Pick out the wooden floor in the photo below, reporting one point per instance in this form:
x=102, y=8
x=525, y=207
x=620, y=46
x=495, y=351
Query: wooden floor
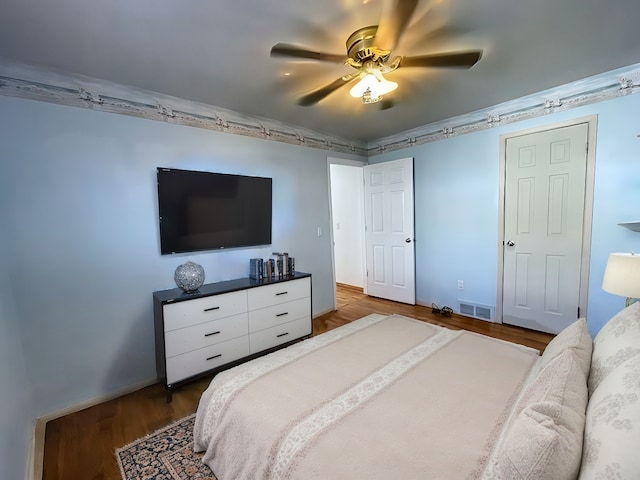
x=81, y=445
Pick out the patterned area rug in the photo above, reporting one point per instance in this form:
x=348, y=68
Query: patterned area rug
x=166, y=454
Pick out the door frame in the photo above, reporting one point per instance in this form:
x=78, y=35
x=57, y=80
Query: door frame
x=592, y=124
x=350, y=163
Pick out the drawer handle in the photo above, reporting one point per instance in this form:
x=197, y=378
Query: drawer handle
x=212, y=308
x=282, y=314
x=212, y=333
x=281, y=293
x=282, y=335
x=215, y=356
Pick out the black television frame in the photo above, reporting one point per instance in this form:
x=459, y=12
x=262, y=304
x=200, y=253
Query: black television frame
x=200, y=211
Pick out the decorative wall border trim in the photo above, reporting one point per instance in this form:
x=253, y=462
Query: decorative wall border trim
x=613, y=84
x=106, y=97
x=23, y=81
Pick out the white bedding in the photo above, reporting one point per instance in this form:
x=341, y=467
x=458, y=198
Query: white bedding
x=382, y=397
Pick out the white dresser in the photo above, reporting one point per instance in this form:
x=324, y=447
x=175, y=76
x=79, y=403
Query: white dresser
x=226, y=323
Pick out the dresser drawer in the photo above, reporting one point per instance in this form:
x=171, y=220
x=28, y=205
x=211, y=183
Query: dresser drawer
x=268, y=295
x=278, y=314
x=203, y=359
x=201, y=310
x=186, y=339
x=274, y=336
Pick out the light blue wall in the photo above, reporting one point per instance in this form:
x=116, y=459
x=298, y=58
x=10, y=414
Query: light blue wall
x=81, y=257
x=456, y=196
x=78, y=203
x=16, y=408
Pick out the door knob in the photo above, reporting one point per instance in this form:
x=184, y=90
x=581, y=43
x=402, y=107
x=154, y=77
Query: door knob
x=408, y=240
x=510, y=244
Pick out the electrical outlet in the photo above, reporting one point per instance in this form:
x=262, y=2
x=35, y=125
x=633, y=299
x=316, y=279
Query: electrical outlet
x=460, y=284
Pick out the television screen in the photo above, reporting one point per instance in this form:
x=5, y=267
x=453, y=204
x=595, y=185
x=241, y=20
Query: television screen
x=207, y=211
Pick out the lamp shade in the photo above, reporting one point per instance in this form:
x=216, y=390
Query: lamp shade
x=622, y=275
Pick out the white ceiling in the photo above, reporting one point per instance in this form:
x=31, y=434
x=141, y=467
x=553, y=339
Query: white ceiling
x=217, y=52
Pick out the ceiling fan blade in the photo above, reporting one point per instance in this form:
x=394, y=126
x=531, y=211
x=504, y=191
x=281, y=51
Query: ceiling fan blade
x=457, y=59
x=314, y=97
x=396, y=15
x=287, y=50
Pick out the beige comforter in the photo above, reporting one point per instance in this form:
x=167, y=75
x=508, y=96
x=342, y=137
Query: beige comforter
x=382, y=397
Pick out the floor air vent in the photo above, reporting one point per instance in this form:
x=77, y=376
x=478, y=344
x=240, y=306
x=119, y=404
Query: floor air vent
x=483, y=312
x=466, y=309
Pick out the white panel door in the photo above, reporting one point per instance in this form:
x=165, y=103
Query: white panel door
x=389, y=230
x=544, y=215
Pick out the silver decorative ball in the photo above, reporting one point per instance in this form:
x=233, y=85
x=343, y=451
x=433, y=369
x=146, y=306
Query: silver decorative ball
x=189, y=276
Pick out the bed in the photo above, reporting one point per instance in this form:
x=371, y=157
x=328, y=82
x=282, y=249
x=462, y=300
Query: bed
x=392, y=397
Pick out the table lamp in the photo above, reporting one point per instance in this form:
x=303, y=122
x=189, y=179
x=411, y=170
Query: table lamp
x=622, y=276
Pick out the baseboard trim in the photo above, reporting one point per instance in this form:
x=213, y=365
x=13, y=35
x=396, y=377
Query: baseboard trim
x=318, y=314
x=357, y=288
x=36, y=456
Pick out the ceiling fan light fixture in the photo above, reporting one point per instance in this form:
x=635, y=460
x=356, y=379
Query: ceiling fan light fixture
x=365, y=83
x=384, y=87
x=376, y=84
x=369, y=52
x=368, y=98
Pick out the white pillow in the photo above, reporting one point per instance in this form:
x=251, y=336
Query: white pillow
x=617, y=341
x=612, y=429
x=544, y=440
x=575, y=337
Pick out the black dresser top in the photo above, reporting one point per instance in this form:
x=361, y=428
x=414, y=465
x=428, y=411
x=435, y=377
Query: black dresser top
x=177, y=295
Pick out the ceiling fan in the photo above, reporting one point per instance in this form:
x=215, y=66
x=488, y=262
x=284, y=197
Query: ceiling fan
x=369, y=52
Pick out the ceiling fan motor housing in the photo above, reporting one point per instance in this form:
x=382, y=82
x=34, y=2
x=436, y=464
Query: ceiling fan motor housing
x=361, y=46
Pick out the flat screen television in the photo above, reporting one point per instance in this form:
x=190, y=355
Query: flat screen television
x=208, y=211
